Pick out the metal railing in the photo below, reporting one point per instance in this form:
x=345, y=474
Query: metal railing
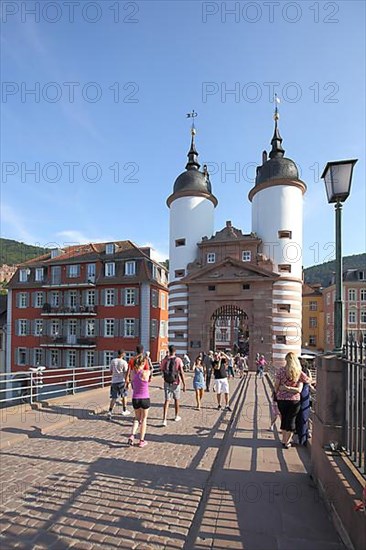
x=40, y=383
x=49, y=309
x=355, y=406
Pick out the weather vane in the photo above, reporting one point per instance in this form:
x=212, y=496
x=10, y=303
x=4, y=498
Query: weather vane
x=192, y=115
x=276, y=100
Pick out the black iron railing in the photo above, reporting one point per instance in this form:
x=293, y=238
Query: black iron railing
x=355, y=406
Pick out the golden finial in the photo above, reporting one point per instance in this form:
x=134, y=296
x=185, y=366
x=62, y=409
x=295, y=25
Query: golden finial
x=276, y=115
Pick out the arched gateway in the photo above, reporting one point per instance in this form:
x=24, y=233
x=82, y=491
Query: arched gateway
x=258, y=272
x=230, y=329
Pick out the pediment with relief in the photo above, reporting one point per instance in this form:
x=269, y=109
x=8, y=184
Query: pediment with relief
x=229, y=270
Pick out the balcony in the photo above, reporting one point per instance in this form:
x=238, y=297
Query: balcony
x=70, y=341
x=67, y=311
x=57, y=283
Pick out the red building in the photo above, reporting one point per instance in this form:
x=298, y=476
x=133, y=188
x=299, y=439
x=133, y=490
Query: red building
x=354, y=307
x=75, y=307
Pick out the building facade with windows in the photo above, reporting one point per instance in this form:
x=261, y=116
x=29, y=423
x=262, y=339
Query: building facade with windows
x=248, y=282
x=75, y=307
x=313, y=331
x=354, y=304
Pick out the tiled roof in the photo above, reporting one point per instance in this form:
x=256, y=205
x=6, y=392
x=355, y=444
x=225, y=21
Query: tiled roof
x=84, y=252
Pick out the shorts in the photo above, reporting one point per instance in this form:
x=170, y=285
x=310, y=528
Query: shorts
x=141, y=403
x=118, y=389
x=221, y=385
x=172, y=391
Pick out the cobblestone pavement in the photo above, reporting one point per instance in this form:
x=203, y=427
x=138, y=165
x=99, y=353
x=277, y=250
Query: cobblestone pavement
x=81, y=486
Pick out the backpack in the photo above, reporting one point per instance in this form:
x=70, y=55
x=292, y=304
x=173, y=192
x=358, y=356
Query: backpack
x=171, y=372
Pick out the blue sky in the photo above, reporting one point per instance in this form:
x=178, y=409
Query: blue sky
x=106, y=132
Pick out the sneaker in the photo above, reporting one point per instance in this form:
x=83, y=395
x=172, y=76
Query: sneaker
x=126, y=413
x=142, y=443
x=218, y=407
x=109, y=415
x=131, y=440
x=165, y=423
x=178, y=418
x=271, y=428
x=227, y=408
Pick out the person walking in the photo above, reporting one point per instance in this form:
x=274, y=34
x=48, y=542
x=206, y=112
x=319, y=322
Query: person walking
x=173, y=374
x=230, y=366
x=261, y=363
x=288, y=387
x=139, y=374
x=302, y=418
x=186, y=363
x=198, y=381
x=220, y=364
x=207, y=363
x=118, y=368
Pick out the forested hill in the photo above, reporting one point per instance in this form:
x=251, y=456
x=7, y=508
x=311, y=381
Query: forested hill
x=322, y=273
x=15, y=252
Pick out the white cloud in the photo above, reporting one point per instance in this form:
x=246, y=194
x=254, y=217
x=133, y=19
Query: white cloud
x=73, y=236
x=157, y=255
x=14, y=225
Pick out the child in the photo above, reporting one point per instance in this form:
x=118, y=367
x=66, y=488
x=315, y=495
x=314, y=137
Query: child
x=140, y=375
x=274, y=412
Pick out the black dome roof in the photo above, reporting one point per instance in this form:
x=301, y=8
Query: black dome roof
x=277, y=168
x=192, y=180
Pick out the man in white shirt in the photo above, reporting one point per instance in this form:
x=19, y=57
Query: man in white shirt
x=118, y=368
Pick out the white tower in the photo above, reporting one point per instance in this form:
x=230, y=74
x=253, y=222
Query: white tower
x=192, y=207
x=277, y=218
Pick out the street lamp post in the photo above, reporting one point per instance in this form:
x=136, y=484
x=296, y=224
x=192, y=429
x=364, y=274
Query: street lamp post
x=338, y=177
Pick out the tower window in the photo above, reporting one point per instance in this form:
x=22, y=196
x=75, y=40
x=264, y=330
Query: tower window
x=179, y=273
x=179, y=309
x=280, y=339
x=211, y=288
x=284, y=307
x=285, y=234
x=179, y=335
x=211, y=258
x=246, y=287
x=284, y=268
x=180, y=242
x=246, y=255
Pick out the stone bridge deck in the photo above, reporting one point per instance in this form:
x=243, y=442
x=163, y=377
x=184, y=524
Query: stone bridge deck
x=214, y=480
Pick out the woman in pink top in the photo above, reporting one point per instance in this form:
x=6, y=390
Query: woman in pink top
x=139, y=374
x=288, y=386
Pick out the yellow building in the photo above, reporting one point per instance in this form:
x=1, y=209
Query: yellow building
x=312, y=317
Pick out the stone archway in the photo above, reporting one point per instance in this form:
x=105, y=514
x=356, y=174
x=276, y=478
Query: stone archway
x=229, y=329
